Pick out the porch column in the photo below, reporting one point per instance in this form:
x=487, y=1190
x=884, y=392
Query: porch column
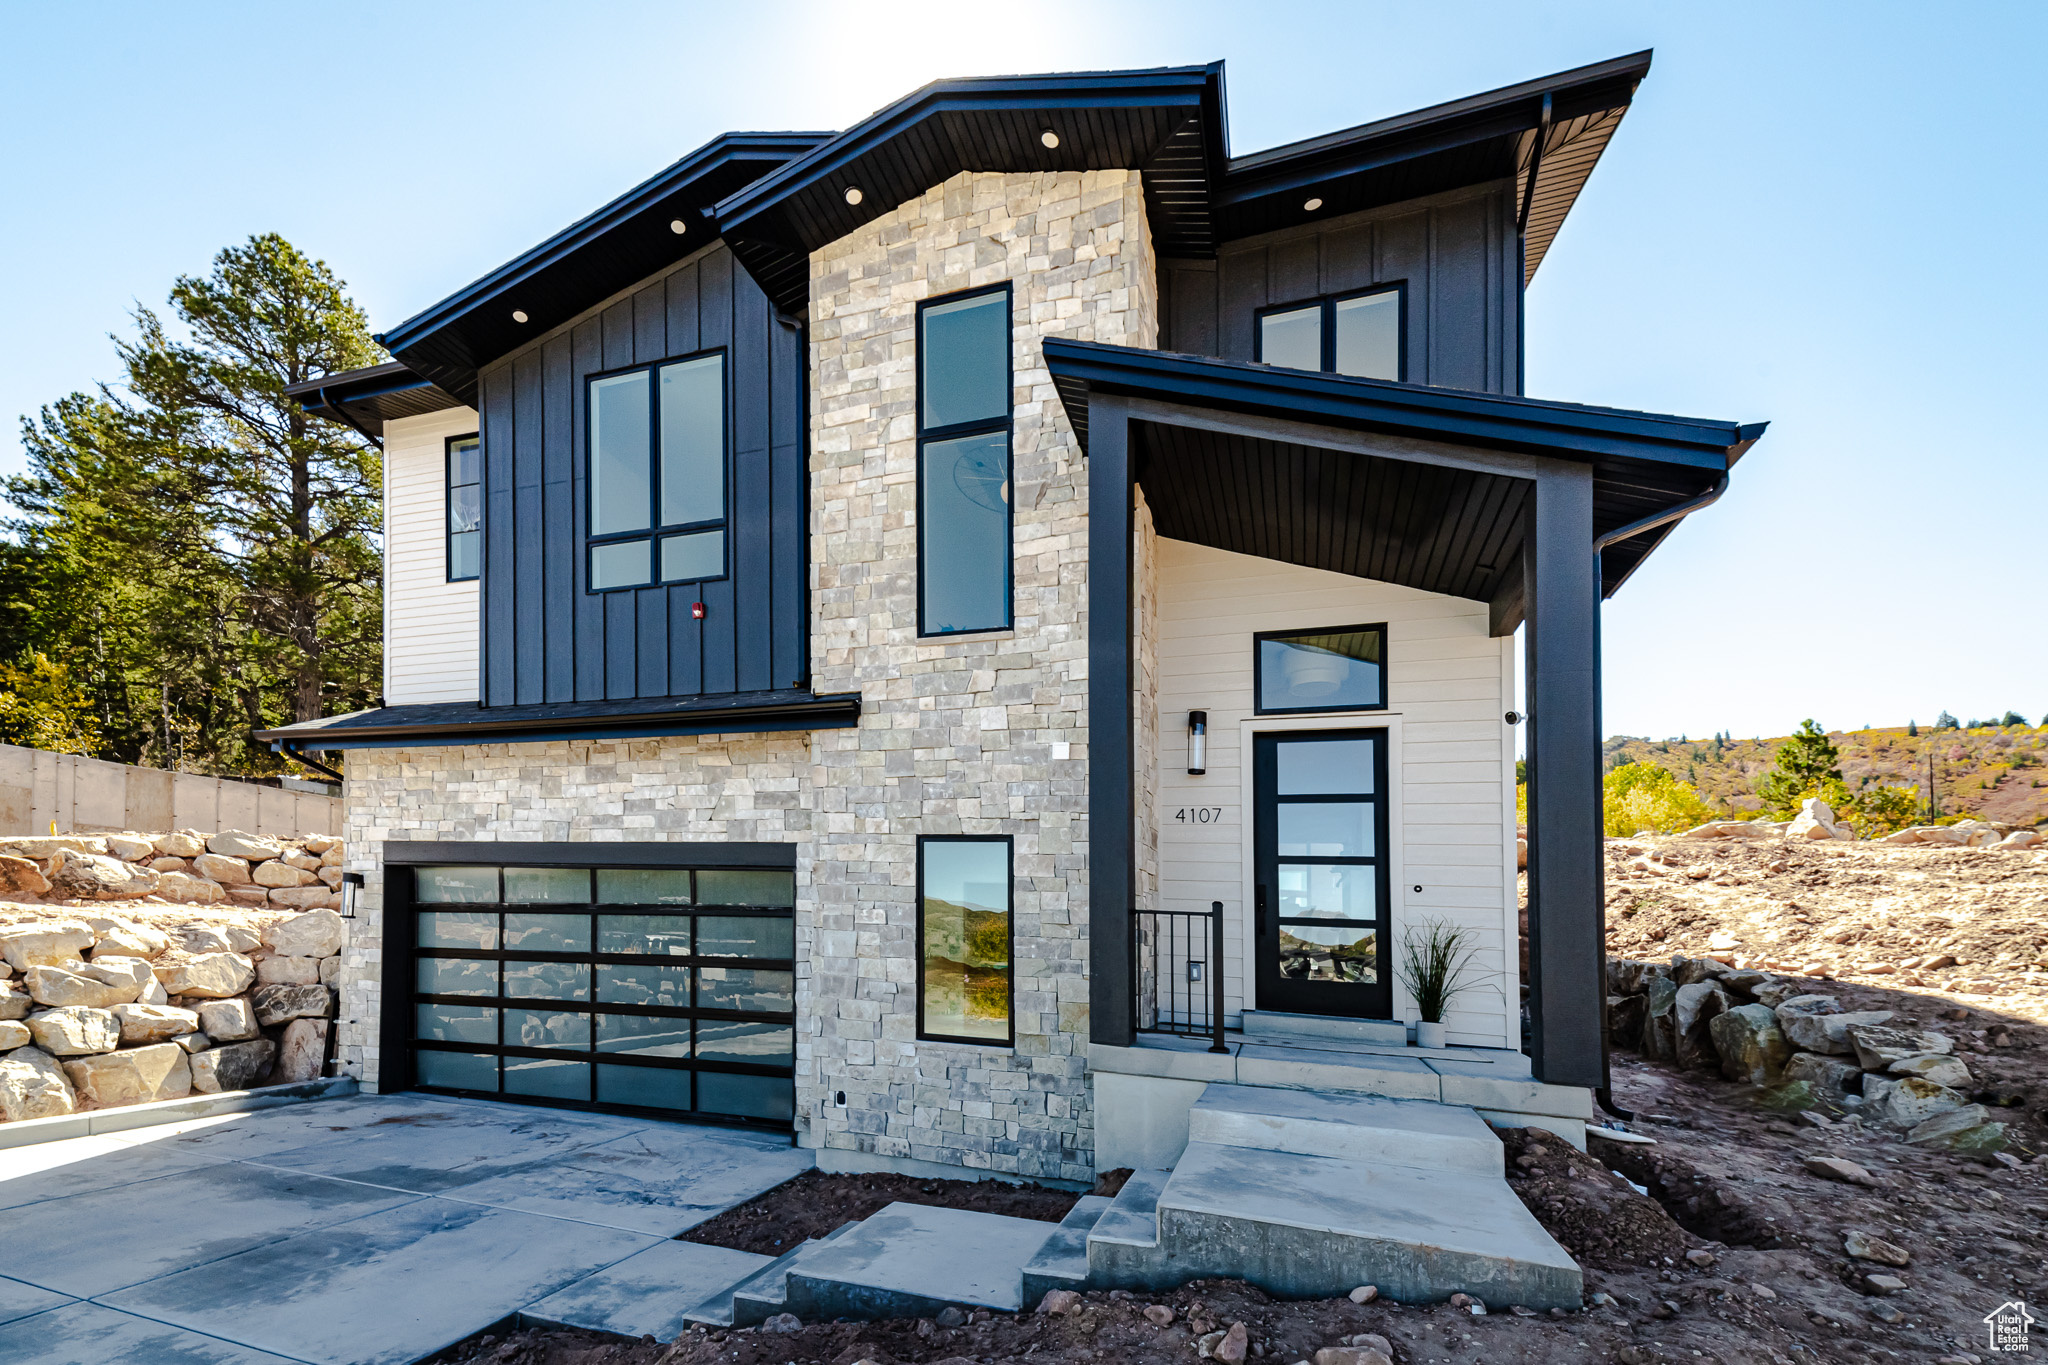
x=1567, y=986
x=1112, y=852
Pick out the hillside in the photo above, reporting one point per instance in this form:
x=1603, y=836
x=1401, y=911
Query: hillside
x=1990, y=772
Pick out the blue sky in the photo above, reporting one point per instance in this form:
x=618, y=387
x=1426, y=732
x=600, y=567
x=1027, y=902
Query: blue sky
x=1824, y=215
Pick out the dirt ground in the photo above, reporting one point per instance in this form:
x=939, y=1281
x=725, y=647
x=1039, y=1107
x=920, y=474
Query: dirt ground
x=1715, y=1244
x=815, y=1204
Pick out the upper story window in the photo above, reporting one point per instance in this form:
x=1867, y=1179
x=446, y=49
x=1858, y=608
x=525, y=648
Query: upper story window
x=1342, y=668
x=1357, y=334
x=465, y=480
x=963, y=463
x=658, y=474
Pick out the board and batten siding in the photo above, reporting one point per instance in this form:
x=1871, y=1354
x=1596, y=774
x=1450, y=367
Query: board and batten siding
x=547, y=640
x=430, y=624
x=1450, y=760
x=1458, y=254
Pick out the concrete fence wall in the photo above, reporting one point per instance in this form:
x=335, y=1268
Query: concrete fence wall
x=92, y=796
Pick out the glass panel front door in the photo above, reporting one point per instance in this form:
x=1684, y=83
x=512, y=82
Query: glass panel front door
x=1319, y=838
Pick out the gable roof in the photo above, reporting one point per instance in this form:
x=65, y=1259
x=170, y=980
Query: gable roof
x=776, y=197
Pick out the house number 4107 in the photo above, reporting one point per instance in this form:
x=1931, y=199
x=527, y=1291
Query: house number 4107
x=1199, y=815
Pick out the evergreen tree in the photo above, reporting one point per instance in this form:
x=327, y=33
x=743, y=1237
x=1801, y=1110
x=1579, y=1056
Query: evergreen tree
x=1913, y=729
x=1808, y=764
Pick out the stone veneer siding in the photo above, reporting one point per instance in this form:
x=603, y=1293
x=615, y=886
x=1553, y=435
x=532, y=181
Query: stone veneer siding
x=981, y=734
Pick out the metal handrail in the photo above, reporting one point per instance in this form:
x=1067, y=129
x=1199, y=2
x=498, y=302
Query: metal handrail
x=1169, y=973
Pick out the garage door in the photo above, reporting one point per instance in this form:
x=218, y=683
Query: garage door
x=661, y=990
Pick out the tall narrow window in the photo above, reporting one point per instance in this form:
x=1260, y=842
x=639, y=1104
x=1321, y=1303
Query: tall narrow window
x=963, y=939
x=465, y=478
x=657, y=474
x=963, y=455
x=1358, y=334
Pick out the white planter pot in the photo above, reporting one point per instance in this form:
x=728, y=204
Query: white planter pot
x=1428, y=1034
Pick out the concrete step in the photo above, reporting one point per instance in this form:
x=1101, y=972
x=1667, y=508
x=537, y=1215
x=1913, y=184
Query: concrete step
x=761, y=1294
x=1304, y=1226
x=1062, y=1263
x=1123, y=1246
x=914, y=1260
x=1274, y=1026
x=1357, y=1073
x=1416, y=1133
x=650, y=1293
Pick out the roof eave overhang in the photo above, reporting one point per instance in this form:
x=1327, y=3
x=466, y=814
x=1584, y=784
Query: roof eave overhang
x=367, y=398
x=525, y=725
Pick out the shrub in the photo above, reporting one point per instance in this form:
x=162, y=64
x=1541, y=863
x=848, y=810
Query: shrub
x=1639, y=796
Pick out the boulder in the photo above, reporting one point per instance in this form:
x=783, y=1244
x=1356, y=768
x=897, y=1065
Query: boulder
x=1807, y=1004
x=333, y=856
x=1744, y=981
x=42, y=850
x=302, y=1052
x=193, y=1042
x=14, y=1001
x=1624, y=1018
x=330, y=971
x=320, y=843
x=132, y=1076
x=1842, y=1169
x=1692, y=1014
x=233, y=1066
x=243, y=939
x=186, y=888
x=330, y=877
x=182, y=844
x=1938, y=1067
x=287, y=971
x=1816, y=820
x=153, y=1023
x=201, y=938
x=1906, y=1103
x=1831, y=1075
x=301, y=897
x=44, y=945
x=21, y=877
x=1731, y=829
x=1660, y=1039
x=163, y=865
x=1776, y=992
x=316, y=933
x=227, y=1021
x=213, y=975
x=1750, y=1045
x=132, y=848
x=58, y=988
x=1864, y=1247
x=33, y=1086
x=1829, y=1033
x=74, y=1031
x=257, y=897
x=1687, y=971
x=94, y=876
x=221, y=868
x=1878, y=1047
x=278, y=872
x=305, y=862
x=281, y=1004
x=235, y=843
x=13, y=1034
x=131, y=940
x=2020, y=838
x=1966, y=1129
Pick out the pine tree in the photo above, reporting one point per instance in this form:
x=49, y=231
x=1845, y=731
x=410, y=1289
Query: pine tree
x=1913, y=729
x=1808, y=764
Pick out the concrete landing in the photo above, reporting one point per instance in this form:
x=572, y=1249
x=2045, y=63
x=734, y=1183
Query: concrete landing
x=1414, y=1133
x=912, y=1260
x=1314, y=1227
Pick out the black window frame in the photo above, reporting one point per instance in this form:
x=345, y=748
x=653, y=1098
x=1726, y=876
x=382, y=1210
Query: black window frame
x=655, y=532
x=1259, y=638
x=448, y=486
x=1328, y=303
x=1009, y=843
x=1006, y=424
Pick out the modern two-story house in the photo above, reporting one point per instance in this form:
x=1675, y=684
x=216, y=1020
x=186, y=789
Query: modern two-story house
x=949, y=637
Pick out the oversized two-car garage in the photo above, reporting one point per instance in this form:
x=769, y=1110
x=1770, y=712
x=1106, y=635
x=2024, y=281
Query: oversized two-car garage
x=657, y=979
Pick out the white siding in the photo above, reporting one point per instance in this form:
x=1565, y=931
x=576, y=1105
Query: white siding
x=430, y=624
x=1450, y=756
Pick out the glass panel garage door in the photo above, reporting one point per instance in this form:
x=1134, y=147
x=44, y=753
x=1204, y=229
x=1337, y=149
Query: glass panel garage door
x=667, y=990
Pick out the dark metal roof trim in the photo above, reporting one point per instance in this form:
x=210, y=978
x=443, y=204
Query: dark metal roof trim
x=438, y=723
x=1530, y=425
x=368, y=398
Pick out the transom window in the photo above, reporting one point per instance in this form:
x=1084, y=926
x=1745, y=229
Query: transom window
x=658, y=474
x=1342, y=668
x=963, y=463
x=1359, y=334
x=465, y=480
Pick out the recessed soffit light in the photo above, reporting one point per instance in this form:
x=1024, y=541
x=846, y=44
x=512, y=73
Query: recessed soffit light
x=518, y=315
x=678, y=226
x=1049, y=138
x=1312, y=205
x=853, y=194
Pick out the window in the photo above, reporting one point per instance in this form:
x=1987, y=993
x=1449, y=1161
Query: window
x=963, y=939
x=1340, y=669
x=657, y=474
x=1346, y=334
x=963, y=463
x=465, y=479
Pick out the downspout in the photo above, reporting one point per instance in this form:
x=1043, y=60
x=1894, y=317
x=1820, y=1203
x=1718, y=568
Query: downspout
x=339, y=411
x=1676, y=512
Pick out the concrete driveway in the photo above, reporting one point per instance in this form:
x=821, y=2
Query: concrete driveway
x=351, y=1231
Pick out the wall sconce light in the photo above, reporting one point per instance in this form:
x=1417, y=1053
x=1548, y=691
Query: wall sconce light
x=1198, y=743
x=351, y=893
